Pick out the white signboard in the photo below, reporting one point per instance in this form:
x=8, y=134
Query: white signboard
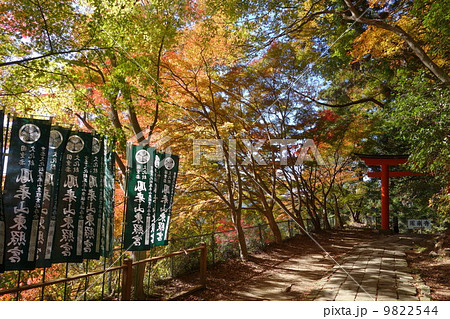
x=419, y=224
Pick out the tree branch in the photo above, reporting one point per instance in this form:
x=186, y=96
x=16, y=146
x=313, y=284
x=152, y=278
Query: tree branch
x=413, y=45
x=119, y=161
x=46, y=28
x=50, y=54
x=158, y=75
x=354, y=15
x=85, y=122
x=363, y=100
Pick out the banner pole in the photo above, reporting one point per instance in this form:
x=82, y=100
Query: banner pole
x=43, y=287
x=86, y=280
x=65, y=283
x=18, y=285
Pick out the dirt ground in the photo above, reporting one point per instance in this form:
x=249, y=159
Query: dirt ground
x=430, y=260
x=228, y=280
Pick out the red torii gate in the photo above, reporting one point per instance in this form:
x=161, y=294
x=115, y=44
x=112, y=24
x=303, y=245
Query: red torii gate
x=384, y=161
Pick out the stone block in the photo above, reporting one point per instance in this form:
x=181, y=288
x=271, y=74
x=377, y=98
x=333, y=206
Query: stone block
x=345, y=297
x=403, y=297
x=407, y=290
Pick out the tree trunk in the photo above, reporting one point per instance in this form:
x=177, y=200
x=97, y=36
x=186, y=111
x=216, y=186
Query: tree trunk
x=315, y=220
x=273, y=226
x=337, y=214
x=138, y=275
x=326, y=223
x=243, y=251
x=297, y=217
x=267, y=210
x=312, y=212
x=355, y=214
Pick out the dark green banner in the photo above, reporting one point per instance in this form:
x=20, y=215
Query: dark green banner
x=23, y=192
x=166, y=176
x=151, y=187
x=2, y=216
x=140, y=160
x=57, y=145
x=72, y=203
x=108, y=201
x=94, y=202
x=155, y=187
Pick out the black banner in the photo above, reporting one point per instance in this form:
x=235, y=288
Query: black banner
x=154, y=201
x=57, y=145
x=2, y=216
x=139, y=197
x=150, y=190
x=94, y=202
x=24, y=188
x=71, y=208
x=167, y=171
x=108, y=201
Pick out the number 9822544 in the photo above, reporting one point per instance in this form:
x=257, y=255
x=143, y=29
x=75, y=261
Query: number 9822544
x=410, y=310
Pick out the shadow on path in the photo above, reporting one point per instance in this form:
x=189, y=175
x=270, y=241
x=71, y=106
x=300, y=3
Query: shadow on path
x=374, y=268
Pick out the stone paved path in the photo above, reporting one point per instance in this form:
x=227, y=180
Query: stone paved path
x=377, y=270
x=373, y=271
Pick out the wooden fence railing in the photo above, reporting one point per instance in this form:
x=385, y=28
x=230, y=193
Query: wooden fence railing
x=126, y=268
x=221, y=246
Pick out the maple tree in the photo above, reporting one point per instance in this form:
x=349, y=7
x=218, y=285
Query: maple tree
x=192, y=72
x=373, y=57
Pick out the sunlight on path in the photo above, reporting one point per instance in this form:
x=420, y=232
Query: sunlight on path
x=373, y=271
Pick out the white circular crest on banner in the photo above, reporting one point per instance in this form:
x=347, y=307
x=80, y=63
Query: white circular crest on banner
x=142, y=156
x=55, y=140
x=95, y=146
x=169, y=163
x=75, y=144
x=157, y=160
x=29, y=133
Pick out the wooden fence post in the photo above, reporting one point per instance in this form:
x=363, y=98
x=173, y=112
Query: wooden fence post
x=127, y=279
x=203, y=265
x=138, y=274
x=213, y=248
x=289, y=228
x=261, y=239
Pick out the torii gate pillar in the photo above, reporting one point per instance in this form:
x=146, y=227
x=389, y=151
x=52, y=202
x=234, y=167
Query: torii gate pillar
x=384, y=196
x=385, y=161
